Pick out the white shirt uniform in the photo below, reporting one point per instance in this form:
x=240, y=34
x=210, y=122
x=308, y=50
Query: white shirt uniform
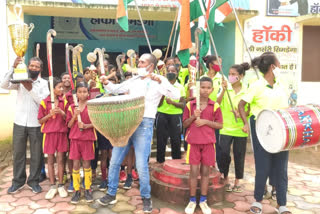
x=27, y=101
x=152, y=90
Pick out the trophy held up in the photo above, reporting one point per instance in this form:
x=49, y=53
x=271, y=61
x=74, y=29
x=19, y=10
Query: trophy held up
x=19, y=33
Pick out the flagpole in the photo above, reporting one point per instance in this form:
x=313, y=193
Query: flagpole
x=244, y=40
x=142, y=24
x=175, y=32
x=174, y=23
x=216, y=53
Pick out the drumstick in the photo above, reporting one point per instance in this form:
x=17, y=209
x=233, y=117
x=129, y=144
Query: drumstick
x=51, y=33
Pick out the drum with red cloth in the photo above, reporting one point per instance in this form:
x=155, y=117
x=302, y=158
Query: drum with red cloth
x=291, y=128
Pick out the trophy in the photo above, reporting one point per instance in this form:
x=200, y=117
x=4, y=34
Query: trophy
x=19, y=33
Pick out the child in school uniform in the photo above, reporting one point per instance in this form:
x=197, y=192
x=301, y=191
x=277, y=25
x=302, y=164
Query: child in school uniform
x=54, y=129
x=81, y=143
x=200, y=135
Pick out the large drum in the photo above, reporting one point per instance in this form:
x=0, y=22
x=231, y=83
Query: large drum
x=116, y=117
x=290, y=128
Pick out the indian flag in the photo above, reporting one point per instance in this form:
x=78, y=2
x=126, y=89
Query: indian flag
x=122, y=14
x=189, y=11
x=222, y=12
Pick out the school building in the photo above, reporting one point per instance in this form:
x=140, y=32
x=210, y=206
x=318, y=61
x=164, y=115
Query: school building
x=283, y=30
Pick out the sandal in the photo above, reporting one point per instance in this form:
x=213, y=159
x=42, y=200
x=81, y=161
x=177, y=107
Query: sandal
x=237, y=189
x=228, y=188
x=256, y=208
x=274, y=195
x=283, y=210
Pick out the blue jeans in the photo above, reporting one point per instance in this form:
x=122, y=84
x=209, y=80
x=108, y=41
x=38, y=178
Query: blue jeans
x=266, y=163
x=141, y=141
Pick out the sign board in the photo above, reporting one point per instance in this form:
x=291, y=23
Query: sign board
x=281, y=38
x=292, y=7
x=101, y=29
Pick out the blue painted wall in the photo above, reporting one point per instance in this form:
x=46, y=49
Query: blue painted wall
x=224, y=37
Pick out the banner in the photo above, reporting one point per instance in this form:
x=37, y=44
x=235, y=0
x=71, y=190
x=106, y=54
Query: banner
x=101, y=29
x=240, y=4
x=279, y=37
x=142, y=3
x=292, y=7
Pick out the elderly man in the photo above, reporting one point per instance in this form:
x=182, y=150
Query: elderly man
x=26, y=125
x=153, y=87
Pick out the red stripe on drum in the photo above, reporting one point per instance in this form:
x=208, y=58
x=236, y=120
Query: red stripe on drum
x=308, y=126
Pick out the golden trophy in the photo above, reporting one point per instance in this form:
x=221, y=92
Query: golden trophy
x=19, y=33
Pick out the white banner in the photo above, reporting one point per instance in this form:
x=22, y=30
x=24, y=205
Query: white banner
x=281, y=37
x=101, y=29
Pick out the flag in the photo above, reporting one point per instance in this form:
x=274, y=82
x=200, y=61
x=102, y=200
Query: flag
x=222, y=12
x=188, y=12
x=122, y=14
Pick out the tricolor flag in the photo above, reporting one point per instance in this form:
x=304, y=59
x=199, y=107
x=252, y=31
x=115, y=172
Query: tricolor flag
x=210, y=10
x=222, y=12
x=189, y=11
x=122, y=14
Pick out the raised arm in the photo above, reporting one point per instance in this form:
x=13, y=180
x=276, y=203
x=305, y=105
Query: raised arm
x=5, y=82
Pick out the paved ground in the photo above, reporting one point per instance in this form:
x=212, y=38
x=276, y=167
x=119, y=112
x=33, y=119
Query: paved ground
x=303, y=197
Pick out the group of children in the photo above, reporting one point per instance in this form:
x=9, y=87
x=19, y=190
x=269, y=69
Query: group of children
x=211, y=128
x=63, y=124
x=67, y=129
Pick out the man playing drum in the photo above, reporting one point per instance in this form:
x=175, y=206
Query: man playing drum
x=152, y=87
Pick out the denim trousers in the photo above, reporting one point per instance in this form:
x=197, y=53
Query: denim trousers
x=265, y=163
x=141, y=141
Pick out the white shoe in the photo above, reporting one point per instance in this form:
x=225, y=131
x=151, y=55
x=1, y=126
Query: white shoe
x=51, y=193
x=62, y=192
x=191, y=207
x=205, y=208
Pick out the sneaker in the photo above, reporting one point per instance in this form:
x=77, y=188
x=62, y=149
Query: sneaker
x=128, y=183
x=147, y=205
x=107, y=199
x=13, y=189
x=70, y=188
x=135, y=175
x=75, y=197
x=104, y=185
x=42, y=177
x=205, y=208
x=88, y=195
x=35, y=188
x=190, y=207
x=122, y=176
x=62, y=191
x=51, y=193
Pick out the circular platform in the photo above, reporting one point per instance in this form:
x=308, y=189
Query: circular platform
x=170, y=182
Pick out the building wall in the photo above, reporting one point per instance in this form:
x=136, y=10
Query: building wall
x=7, y=99
x=43, y=24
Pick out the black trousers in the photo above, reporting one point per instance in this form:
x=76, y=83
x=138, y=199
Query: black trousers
x=168, y=125
x=239, y=153
x=21, y=134
x=218, y=149
x=267, y=164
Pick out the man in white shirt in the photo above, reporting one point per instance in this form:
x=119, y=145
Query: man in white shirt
x=152, y=87
x=26, y=125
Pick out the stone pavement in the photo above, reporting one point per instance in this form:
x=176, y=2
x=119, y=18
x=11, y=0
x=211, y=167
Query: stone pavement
x=303, y=197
